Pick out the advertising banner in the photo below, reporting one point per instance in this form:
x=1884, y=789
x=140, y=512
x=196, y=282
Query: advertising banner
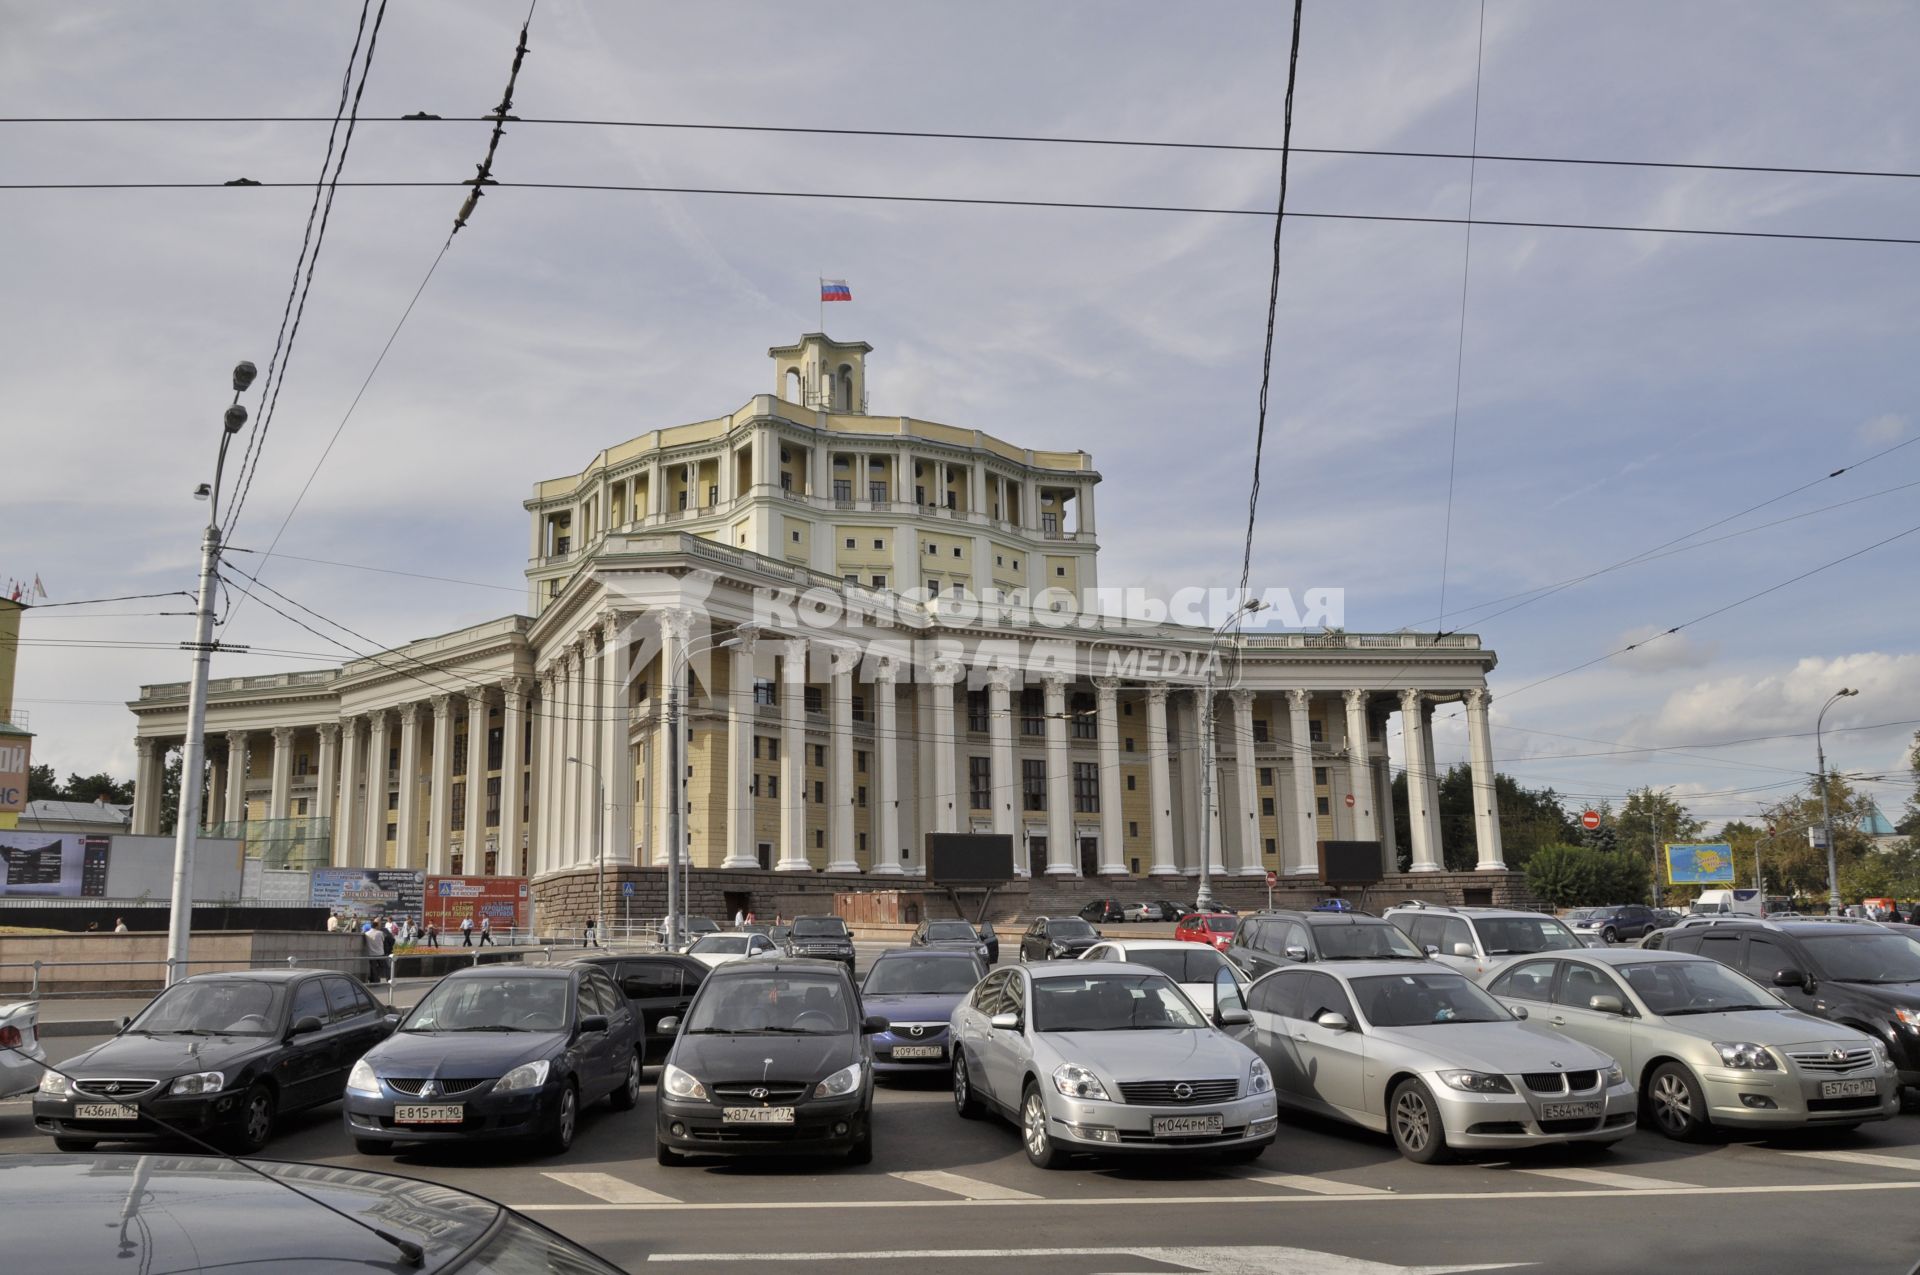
x=360, y=893
x=16, y=759
x=53, y=865
x=501, y=899
x=1699, y=863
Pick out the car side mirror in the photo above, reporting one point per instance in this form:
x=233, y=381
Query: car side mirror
x=1005, y=1022
x=1334, y=1022
x=1518, y=1011
x=1606, y=1003
x=303, y=1026
x=593, y=1023
x=1296, y=953
x=391, y=1020
x=668, y=1026
x=126, y=1022
x=1430, y=949
x=1463, y=949
x=1792, y=978
x=1231, y=1017
x=873, y=1023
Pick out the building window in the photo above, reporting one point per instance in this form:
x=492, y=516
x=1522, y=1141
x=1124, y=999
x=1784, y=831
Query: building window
x=764, y=692
x=494, y=741
x=879, y=582
x=1033, y=785
x=819, y=839
x=786, y=481
x=879, y=544
x=1130, y=785
x=860, y=715
x=1259, y=730
x=1270, y=846
x=459, y=821
x=773, y=785
x=977, y=711
x=1059, y=571
x=796, y=537
x=393, y=801
x=861, y=797
x=1320, y=776
x=956, y=551
x=933, y=588
x=1032, y=706
x=1016, y=564
x=811, y=699
x=819, y=792
x=851, y=542
x=1129, y=743
x=819, y=754
x=980, y=783
x=299, y=764
x=1266, y=806
x=1086, y=720
x=852, y=578
x=863, y=841
x=999, y=560
x=877, y=491
x=1266, y=776
x=1314, y=731
x=843, y=490
x=773, y=750
x=932, y=549
x=859, y=761
x=1086, y=788
x=300, y=805
x=1050, y=522
x=756, y=748
x=1133, y=830
x=1321, y=802
x=493, y=803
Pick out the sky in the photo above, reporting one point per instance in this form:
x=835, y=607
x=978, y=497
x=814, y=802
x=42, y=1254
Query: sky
x=1616, y=392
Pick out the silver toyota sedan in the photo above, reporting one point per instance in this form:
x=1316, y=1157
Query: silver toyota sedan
x=1421, y=1052
x=1106, y=1057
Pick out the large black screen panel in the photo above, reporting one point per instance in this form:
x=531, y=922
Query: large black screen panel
x=1350, y=862
x=969, y=856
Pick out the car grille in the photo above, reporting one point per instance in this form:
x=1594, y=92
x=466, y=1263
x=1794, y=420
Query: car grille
x=1560, y=1081
x=772, y=1092
x=119, y=1089
x=1833, y=1060
x=1161, y=1093
x=917, y=1031
x=446, y=1087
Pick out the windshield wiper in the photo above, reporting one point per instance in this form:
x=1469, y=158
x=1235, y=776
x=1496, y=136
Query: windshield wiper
x=484, y=1027
x=1716, y=1009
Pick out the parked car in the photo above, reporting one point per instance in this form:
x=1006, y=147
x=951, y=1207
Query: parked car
x=825, y=938
x=1169, y=910
x=221, y=1056
x=202, y=1213
x=657, y=985
x=1101, y=911
x=722, y=949
x=1192, y=966
x=1704, y=1044
x=1057, y=938
x=772, y=1057
x=949, y=936
x=498, y=1051
x=1422, y=1053
x=692, y=929
x=1215, y=929
x=1103, y=1057
x=1867, y=978
x=20, y=1051
x=1615, y=924
x=992, y=939
x=1659, y=939
x=915, y=990
x=1140, y=912
x=1475, y=940
x=1268, y=940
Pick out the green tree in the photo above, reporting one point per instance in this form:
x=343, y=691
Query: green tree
x=1648, y=821
x=1581, y=876
x=1791, y=862
x=98, y=787
x=1529, y=819
x=1603, y=837
x=1883, y=874
x=42, y=783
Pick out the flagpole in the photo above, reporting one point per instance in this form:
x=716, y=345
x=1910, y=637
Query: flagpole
x=823, y=305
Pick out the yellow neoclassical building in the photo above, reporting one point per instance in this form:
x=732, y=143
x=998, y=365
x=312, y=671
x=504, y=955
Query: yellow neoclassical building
x=884, y=627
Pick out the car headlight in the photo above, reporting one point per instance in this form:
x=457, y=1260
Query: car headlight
x=681, y=1084
x=1259, y=1080
x=1881, y=1053
x=200, y=1082
x=55, y=1085
x=1054, y=949
x=1076, y=1081
x=840, y=1082
x=361, y=1080
x=1745, y=1055
x=1911, y=1017
x=1616, y=1075
x=1476, y=1082
x=526, y=1076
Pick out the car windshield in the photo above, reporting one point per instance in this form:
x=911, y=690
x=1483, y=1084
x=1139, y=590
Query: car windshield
x=1068, y=929
x=1111, y=1002
x=800, y=1004
x=720, y=945
x=1509, y=935
x=1221, y=924
x=1190, y=963
x=1582, y=914
x=222, y=1007
x=1865, y=957
x=944, y=930
x=492, y=1004
x=920, y=975
x=1421, y=1000
x=819, y=927
x=1700, y=986
x=1379, y=941
x=700, y=925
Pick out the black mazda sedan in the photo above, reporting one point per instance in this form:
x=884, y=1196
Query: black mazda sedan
x=499, y=1051
x=772, y=1058
x=218, y=1056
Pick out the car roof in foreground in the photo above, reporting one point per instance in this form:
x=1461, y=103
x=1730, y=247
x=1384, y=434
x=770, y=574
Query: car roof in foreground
x=764, y=965
x=514, y=971
x=1367, y=969
x=1622, y=955
x=927, y=954
x=258, y=976
x=212, y=1214
x=1156, y=945
x=1080, y=969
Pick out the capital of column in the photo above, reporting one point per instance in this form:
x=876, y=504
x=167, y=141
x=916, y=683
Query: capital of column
x=946, y=671
x=329, y=731
x=1157, y=694
x=442, y=707
x=1053, y=683
x=1356, y=698
x=236, y=739
x=793, y=665
x=676, y=622
x=282, y=736
x=513, y=689
x=844, y=659
x=143, y=748
x=1242, y=698
x=1298, y=699
x=1106, y=687
x=1478, y=698
x=886, y=670
x=1409, y=701
x=1000, y=678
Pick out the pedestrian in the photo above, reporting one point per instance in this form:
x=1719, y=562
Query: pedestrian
x=119, y=925
x=371, y=937
x=466, y=931
x=486, y=931
x=588, y=939
x=433, y=934
x=333, y=922
x=749, y=916
x=738, y=918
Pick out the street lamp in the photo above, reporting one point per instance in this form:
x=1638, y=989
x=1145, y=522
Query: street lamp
x=1826, y=810
x=677, y=768
x=193, y=753
x=599, y=850
x=1203, y=896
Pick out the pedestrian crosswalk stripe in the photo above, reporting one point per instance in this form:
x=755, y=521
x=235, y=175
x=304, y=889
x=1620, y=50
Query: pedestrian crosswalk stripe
x=1604, y=1177
x=971, y=1188
x=1313, y=1185
x=1866, y=1158
x=604, y=1186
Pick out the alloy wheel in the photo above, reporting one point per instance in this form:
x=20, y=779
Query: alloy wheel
x=569, y=1112
x=1412, y=1121
x=1034, y=1126
x=259, y=1118
x=960, y=1094
x=1672, y=1102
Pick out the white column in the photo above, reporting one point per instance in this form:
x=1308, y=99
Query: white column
x=473, y=842
x=1004, y=779
x=1360, y=768
x=277, y=802
x=1246, y=785
x=1302, y=847
x=1206, y=717
x=1420, y=792
x=840, y=788
x=350, y=820
x=215, y=806
x=324, y=778
x=407, y=831
x=440, y=788
x=1486, y=797
x=884, y=858
x=1063, y=857
x=946, y=799
x=616, y=748
x=146, y=788
x=373, y=844
x=1434, y=835
x=589, y=779
x=1186, y=716
x=793, y=758
x=574, y=846
x=1383, y=799
x=238, y=764
x=1113, y=859
x=513, y=761
x=540, y=780
x=1159, y=782
x=740, y=722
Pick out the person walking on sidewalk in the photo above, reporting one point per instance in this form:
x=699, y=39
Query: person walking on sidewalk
x=432, y=932
x=466, y=931
x=486, y=931
x=589, y=938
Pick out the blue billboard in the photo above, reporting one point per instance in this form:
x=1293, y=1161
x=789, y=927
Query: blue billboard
x=1699, y=863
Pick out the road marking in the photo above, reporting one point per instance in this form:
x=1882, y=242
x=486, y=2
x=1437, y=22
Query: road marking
x=1313, y=1185
x=1216, y=1259
x=1266, y=1199
x=971, y=1188
x=1603, y=1177
x=604, y=1186
x=1867, y=1158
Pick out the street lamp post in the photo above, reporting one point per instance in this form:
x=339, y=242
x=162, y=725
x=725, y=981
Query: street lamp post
x=677, y=769
x=193, y=753
x=1826, y=810
x=1203, y=895
x=599, y=850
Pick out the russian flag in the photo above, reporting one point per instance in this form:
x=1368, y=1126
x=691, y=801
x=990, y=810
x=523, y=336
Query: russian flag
x=835, y=290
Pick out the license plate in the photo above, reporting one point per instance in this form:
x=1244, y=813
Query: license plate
x=1188, y=1126
x=435, y=1114
x=104, y=1111
x=919, y=1051
x=757, y=1115
x=1848, y=1089
x=1569, y=1111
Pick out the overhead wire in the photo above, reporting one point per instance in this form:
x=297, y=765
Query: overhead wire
x=1460, y=348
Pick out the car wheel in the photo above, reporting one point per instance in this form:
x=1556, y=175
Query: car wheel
x=373, y=1146
x=1610, y=935
x=666, y=1155
x=1415, y=1119
x=861, y=1152
x=1675, y=1104
x=559, y=1139
x=256, y=1120
x=627, y=1096
x=966, y=1103
x=1042, y=1150
x=74, y=1144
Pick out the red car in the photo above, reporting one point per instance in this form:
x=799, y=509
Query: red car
x=1214, y=928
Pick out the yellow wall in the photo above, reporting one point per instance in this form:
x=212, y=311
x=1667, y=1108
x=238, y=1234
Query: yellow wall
x=1062, y=572
x=796, y=550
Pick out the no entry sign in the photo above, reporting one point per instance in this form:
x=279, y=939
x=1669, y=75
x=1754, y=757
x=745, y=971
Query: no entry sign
x=1590, y=820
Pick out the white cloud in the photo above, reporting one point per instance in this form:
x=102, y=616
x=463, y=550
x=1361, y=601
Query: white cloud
x=1881, y=430
x=1655, y=651
x=1788, y=700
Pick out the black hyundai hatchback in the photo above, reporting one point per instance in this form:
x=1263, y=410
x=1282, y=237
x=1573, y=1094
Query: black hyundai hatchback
x=773, y=1058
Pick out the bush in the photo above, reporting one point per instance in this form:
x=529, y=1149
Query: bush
x=1582, y=876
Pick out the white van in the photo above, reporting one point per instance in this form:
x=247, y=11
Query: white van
x=1729, y=903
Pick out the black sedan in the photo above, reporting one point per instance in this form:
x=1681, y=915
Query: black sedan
x=657, y=985
x=772, y=1058
x=1057, y=938
x=217, y=1056
x=949, y=936
x=497, y=1051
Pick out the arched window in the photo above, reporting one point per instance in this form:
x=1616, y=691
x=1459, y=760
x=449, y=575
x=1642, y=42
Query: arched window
x=846, y=388
x=793, y=392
